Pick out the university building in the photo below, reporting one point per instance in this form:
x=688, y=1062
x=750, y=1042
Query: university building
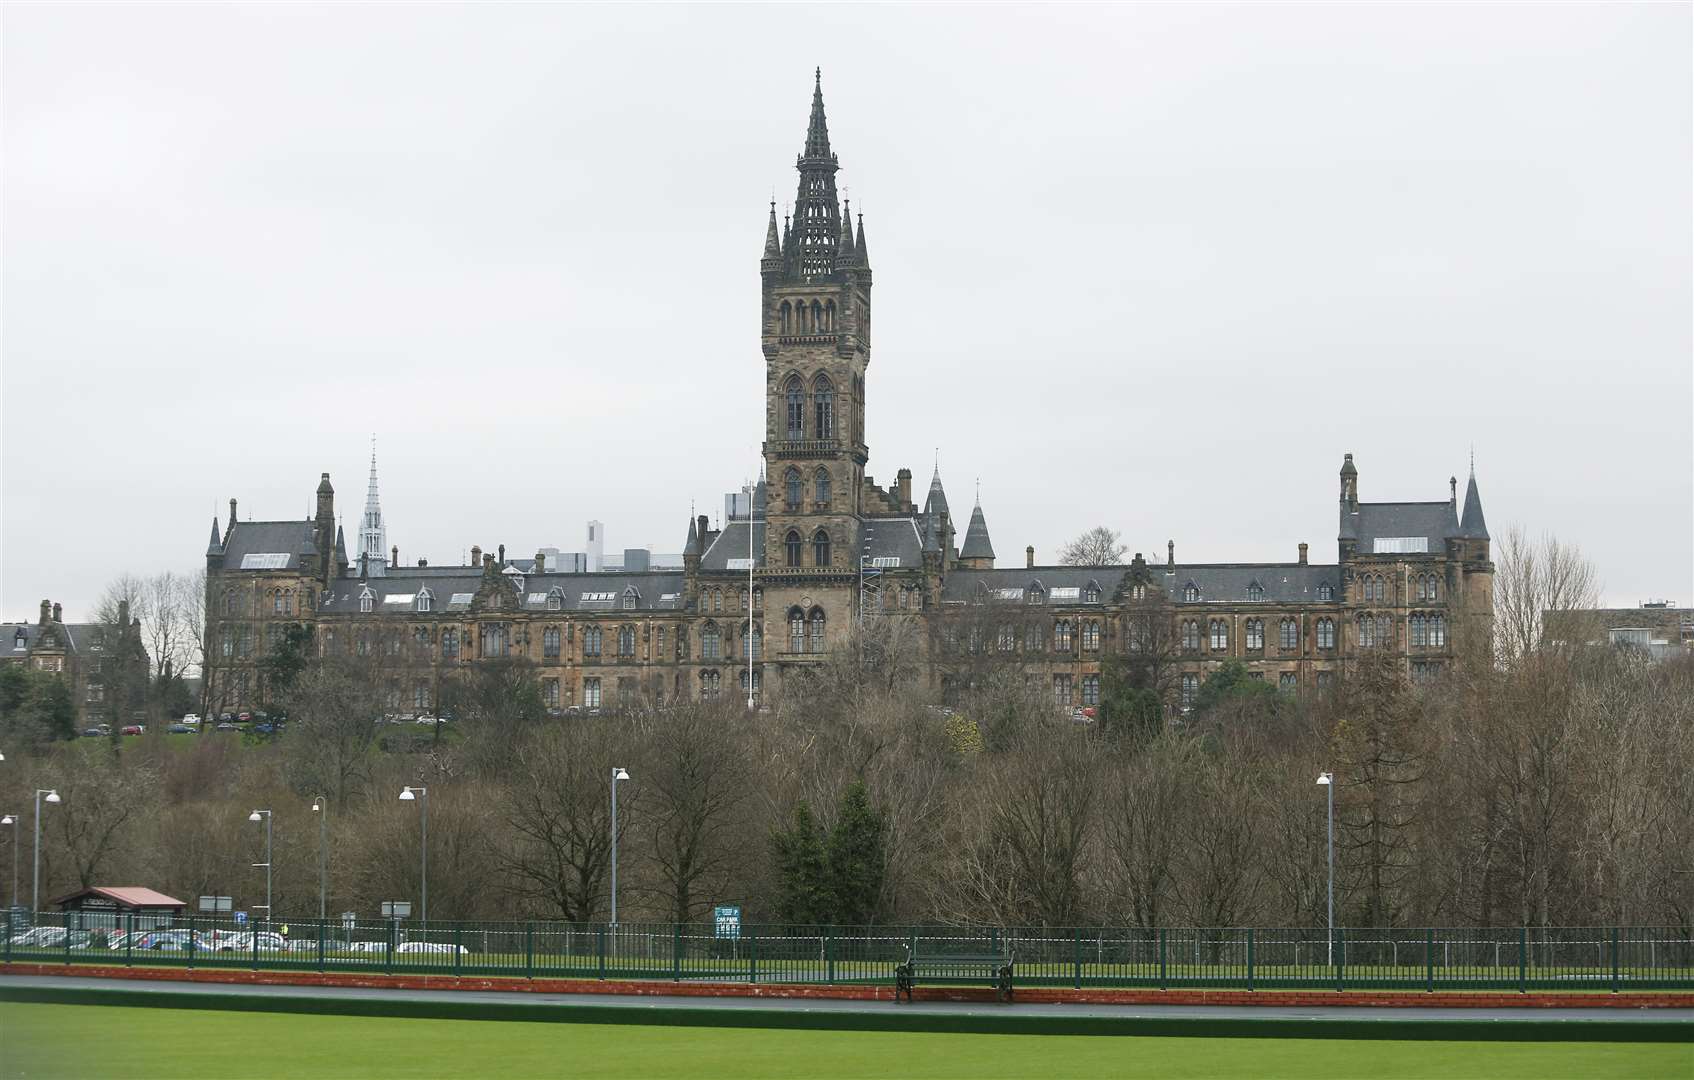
x=819, y=547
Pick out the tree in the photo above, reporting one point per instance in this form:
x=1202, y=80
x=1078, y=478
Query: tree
x=857, y=859
x=1541, y=591
x=1380, y=766
x=495, y=703
x=1098, y=546
x=1145, y=803
x=335, y=709
x=1233, y=685
x=1126, y=708
x=802, y=867
x=282, y=666
x=557, y=808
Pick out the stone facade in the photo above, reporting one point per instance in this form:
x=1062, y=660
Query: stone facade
x=822, y=546
x=101, y=663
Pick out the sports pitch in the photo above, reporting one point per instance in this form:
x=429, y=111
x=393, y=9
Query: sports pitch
x=87, y=1041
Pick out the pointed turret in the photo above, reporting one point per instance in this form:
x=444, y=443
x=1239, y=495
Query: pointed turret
x=863, y=248
x=693, y=541
x=846, y=253
x=817, y=130
x=340, y=548
x=373, y=534
x=216, y=547
x=977, y=552
x=931, y=532
x=771, y=263
x=817, y=214
x=1472, y=526
x=937, y=501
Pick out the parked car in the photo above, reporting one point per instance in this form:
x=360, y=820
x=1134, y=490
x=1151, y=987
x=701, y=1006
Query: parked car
x=367, y=946
x=430, y=721
x=168, y=940
x=51, y=937
x=243, y=942
x=228, y=718
x=134, y=729
x=180, y=729
x=244, y=718
x=191, y=719
x=225, y=725
x=97, y=731
x=431, y=947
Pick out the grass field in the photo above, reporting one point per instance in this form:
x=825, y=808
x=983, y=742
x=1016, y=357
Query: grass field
x=92, y=1041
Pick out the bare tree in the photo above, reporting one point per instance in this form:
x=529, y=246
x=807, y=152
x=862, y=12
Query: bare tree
x=1098, y=546
x=1541, y=589
x=1147, y=796
x=559, y=853
x=335, y=709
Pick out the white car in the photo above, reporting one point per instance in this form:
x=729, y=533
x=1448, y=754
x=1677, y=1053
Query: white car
x=191, y=720
x=243, y=942
x=432, y=947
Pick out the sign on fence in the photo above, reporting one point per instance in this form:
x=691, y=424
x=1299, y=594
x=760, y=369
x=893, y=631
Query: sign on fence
x=241, y=918
x=215, y=904
x=726, y=921
x=396, y=909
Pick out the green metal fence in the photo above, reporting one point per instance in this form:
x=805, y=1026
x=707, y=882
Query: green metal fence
x=1513, y=958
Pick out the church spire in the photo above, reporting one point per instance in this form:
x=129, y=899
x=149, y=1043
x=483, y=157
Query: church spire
x=373, y=535
x=817, y=213
x=817, y=131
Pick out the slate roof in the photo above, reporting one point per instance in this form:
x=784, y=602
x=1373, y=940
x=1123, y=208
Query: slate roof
x=1435, y=521
x=78, y=637
x=894, y=538
x=651, y=589
x=293, y=538
x=731, y=543
x=976, y=545
x=1231, y=583
x=962, y=586
x=1471, y=526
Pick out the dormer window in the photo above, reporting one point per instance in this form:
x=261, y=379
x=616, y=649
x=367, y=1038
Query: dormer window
x=426, y=600
x=630, y=598
x=366, y=599
x=555, y=599
x=1326, y=592
x=1191, y=593
x=1255, y=591
x=1037, y=595
x=1091, y=593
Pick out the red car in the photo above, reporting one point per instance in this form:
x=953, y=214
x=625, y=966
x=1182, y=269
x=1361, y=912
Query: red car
x=133, y=729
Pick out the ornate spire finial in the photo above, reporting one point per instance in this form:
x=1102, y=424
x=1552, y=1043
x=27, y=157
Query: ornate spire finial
x=1473, y=461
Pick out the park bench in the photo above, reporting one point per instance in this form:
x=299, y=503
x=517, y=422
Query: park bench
x=992, y=968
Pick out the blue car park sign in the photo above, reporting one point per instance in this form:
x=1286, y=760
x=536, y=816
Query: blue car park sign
x=726, y=921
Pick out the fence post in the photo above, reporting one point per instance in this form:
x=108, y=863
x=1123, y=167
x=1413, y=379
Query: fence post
x=601, y=933
x=322, y=930
x=752, y=957
x=393, y=929
x=458, y=937
x=1523, y=957
x=529, y=950
x=1614, y=959
x=8, y=935
x=1429, y=961
x=1249, y=958
x=1076, y=954
x=829, y=953
x=1340, y=959
x=255, y=933
x=1161, y=958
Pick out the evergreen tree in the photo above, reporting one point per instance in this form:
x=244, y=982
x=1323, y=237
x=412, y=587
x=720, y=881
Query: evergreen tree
x=1232, y=685
x=857, y=859
x=1125, y=707
x=802, y=865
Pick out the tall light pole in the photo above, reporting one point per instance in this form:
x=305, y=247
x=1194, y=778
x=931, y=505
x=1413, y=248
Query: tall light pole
x=421, y=794
x=320, y=807
x=1326, y=780
x=12, y=820
x=620, y=774
x=35, y=883
x=266, y=815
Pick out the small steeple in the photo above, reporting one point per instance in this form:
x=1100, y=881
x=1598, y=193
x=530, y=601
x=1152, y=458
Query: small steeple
x=846, y=254
x=693, y=540
x=216, y=547
x=977, y=545
x=373, y=534
x=340, y=546
x=773, y=243
x=1472, y=526
x=863, y=249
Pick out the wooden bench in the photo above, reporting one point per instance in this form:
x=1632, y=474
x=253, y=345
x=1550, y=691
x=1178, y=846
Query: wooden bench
x=994, y=969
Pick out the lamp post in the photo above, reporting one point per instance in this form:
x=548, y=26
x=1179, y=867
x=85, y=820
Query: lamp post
x=320, y=807
x=620, y=774
x=421, y=795
x=1326, y=780
x=266, y=815
x=12, y=820
x=35, y=883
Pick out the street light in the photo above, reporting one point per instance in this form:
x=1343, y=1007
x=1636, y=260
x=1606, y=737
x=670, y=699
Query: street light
x=320, y=807
x=12, y=820
x=1326, y=780
x=255, y=816
x=35, y=883
x=620, y=774
x=421, y=794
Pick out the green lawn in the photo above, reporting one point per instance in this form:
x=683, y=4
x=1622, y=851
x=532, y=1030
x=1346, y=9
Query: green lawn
x=89, y=1041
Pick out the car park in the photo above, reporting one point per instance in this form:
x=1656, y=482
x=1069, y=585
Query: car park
x=431, y=947
x=226, y=726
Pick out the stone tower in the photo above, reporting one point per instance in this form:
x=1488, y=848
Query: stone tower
x=815, y=333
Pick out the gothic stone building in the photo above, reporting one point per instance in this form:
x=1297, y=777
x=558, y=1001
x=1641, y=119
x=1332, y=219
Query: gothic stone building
x=821, y=545
x=102, y=664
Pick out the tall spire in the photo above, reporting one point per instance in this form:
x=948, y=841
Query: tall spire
x=817, y=213
x=864, y=249
x=373, y=535
x=773, y=243
x=1471, y=525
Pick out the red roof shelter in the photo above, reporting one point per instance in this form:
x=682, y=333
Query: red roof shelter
x=113, y=906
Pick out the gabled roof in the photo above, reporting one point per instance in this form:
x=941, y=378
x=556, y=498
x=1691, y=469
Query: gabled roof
x=292, y=539
x=1435, y=522
x=730, y=546
x=893, y=538
x=127, y=895
x=1230, y=583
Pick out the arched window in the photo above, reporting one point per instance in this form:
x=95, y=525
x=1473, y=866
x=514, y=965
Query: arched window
x=276, y=602
x=823, y=402
x=815, y=644
x=795, y=394
x=717, y=599
x=1191, y=635
x=555, y=599
x=796, y=630
x=1326, y=633
x=755, y=644
x=1036, y=594
x=1091, y=593
x=366, y=598
x=743, y=599
x=550, y=643
x=449, y=644
x=758, y=599
x=1062, y=636
x=626, y=641
x=817, y=316
x=1255, y=633
x=791, y=488
x=1191, y=593
x=229, y=602
x=709, y=685
x=711, y=643
x=1437, y=630
x=1367, y=631
x=829, y=315
x=820, y=486
x=820, y=548
x=1289, y=634
x=1414, y=625
x=1005, y=638
x=1091, y=636
x=1220, y=635
x=591, y=641
x=426, y=600
x=787, y=315
x=794, y=547
x=1255, y=591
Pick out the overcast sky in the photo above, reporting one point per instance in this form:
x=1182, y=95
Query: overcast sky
x=1156, y=267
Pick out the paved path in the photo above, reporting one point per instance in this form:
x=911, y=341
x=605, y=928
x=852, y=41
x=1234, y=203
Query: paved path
x=630, y=1001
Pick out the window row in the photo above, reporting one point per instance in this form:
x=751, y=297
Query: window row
x=795, y=548
x=822, y=412
x=713, y=599
x=1287, y=631
x=805, y=630
x=794, y=488
x=799, y=317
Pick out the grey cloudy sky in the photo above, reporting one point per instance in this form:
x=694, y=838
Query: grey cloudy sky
x=1152, y=266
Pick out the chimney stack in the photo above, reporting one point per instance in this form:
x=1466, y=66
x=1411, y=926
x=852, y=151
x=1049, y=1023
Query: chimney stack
x=423, y=562
x=232, y=513
x=58, y=613
x=364, y=566
x=904, y=480
x=46, y=611
x=502, y=556
x=1170, y=555
x=1302, y=553
x=394, y=556
x=701, y=523
x=541, y=562
x=1453, y=490
x=1029, y=556
x=476, y=555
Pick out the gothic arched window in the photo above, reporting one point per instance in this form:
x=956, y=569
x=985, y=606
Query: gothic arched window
x=820, y=486
x=1326, y=633
x=787, y=314
x=711, y=641
x=626, y=641
x=820, y=548
x=1091, y=636
x=1255, y=633
x=1220, y=635
x=816, y=642
x=796, y=630
x=792, y=490
x=823, y=400
x=591, y=641
x=829, y=316
x=1290, y=634
x=1062, y=636
x=795, y=395
x=1191, y=635
x=794, y=547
